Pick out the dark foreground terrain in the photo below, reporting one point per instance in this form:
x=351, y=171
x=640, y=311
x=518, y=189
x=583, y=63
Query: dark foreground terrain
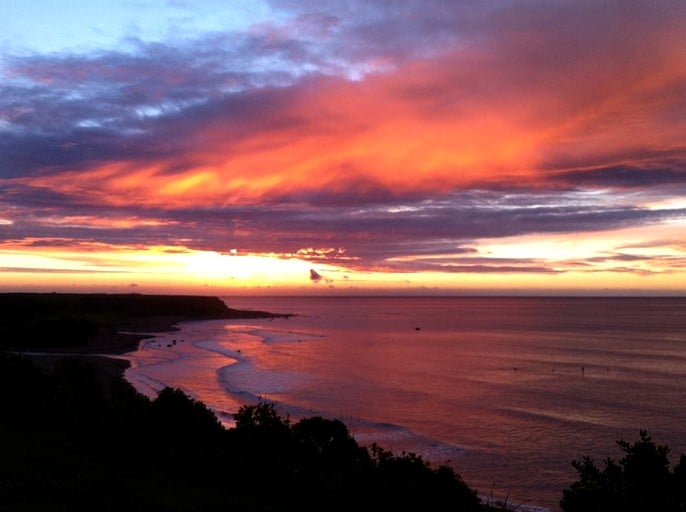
x=100, y=323
x=75, y=436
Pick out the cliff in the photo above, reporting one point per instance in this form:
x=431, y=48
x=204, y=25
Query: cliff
x=100, y=323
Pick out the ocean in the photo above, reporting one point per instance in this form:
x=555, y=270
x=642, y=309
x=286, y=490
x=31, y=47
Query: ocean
x=506, y=390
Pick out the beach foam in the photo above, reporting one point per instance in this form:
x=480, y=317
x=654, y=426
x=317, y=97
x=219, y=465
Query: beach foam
x=493, y=384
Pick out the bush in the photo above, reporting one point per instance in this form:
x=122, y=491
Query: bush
x=641, y=480
x=73, y=440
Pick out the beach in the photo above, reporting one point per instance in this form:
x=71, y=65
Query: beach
x=100, y=329
x=75, y=436
x=508, y=391
x=100, y=323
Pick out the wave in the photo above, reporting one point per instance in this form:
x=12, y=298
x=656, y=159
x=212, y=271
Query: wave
x=144, y=384
x=562, y=418
x=282, y=335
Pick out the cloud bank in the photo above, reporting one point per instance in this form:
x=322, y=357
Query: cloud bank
x=395, y=137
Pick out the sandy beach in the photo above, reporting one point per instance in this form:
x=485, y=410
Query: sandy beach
x=100, y=323
x=99, y=328
x=75, y=436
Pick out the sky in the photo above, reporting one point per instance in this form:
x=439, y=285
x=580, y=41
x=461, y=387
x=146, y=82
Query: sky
x=343, y=147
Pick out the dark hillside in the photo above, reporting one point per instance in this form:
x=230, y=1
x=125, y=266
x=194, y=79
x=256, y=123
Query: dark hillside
x=72, y=440
x=95, y=323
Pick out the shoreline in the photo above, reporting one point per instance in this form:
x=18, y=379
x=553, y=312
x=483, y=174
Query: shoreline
x=83, y=323
x=100, y=327
x=107, y=348
x=498, y=503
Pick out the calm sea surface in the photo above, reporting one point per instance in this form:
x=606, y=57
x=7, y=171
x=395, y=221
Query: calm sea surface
x=508, y=391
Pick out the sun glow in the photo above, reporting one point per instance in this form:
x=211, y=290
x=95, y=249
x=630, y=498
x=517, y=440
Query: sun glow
x=174, y=268
x=246, y=268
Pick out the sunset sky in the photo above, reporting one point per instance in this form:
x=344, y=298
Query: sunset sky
x=438, y=147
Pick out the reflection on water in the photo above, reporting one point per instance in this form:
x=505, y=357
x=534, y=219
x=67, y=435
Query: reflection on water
x=506, y=390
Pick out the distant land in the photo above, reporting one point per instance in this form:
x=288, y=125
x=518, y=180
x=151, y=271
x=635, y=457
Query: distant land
x=100, y=323
x=74, y=435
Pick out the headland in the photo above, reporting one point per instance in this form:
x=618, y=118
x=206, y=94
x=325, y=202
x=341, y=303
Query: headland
x=100, y=323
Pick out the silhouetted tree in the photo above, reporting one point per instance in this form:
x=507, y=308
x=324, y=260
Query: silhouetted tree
x=261, y=417
x=327, y=443
x=93, y=443
x=262, y=439
x=640, y=481
x=182, y=415
x=23, y=386
x=185, y=433
x=261, y=425
x=409, y=481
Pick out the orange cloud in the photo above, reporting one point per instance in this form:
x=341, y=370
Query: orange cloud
x=427, y=126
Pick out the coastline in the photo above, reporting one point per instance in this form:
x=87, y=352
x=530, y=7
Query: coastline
x=490, y=502
x=83, y=323
x=563, y=369
x=100, y=328
x=107, y=446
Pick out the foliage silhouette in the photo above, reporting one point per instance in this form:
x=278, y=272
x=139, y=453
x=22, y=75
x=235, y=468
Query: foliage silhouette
x=325, y=444
x=641, y=480
x=178, y=414
x=73, y=439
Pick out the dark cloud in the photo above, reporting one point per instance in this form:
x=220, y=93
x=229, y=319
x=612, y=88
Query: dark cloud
x=584, y=76
x=491, y=269
x=66, y=110
x=627, y=176
x=151, y=102
x=363, y=236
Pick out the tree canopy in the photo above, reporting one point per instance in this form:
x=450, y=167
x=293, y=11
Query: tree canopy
x=72, y=439
x=641, y=480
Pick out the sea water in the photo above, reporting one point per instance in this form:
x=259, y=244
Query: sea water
x=508, y=391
